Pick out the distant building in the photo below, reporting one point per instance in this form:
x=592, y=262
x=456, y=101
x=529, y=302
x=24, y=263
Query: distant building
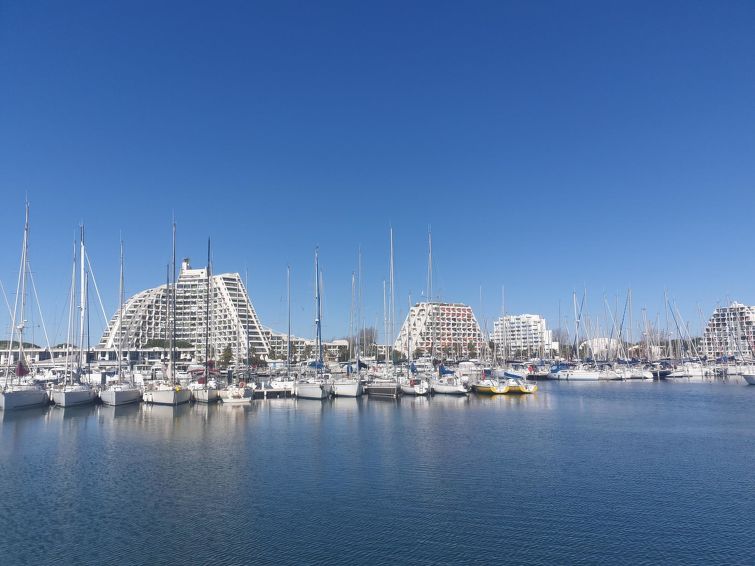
x=450, y=330
x=523, y=335
x=730, y=331
x=303, y=349
x=233, y=321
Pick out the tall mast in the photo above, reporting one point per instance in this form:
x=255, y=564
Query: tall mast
x=247, y=304
x=71, y=308
x=359, y=327
x=173, y=311
x=430, y=290
x=21, y=293
x=288, y=339
x=207, y=318
x=318, y=312
x=82, y=297
x=120, y=319
x=385, y=328
x=409, y=339
x=392, y=306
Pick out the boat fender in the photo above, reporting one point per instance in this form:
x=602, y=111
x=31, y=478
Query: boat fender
x=242, y=384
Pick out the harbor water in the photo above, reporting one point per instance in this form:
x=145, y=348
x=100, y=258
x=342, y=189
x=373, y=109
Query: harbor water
x=621, y=473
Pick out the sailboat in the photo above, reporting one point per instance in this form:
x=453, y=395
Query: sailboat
x=18, y=391
x=314, y=384
x=205, y=389
x=411, y=384
x=387, y=385
x=73, y=392
x=287, y=383
x=121, y=392
x=351, y=386
x=169, y=392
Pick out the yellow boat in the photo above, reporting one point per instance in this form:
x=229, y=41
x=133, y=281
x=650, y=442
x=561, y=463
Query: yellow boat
x=519, y=386
x=490, y=387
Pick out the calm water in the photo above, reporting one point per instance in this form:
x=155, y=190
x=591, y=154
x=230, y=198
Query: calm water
x=626, y=473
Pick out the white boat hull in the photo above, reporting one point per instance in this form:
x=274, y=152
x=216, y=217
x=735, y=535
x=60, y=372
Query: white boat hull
x=125, y=396
x=448, y=389
x=421, y=388
x=173, y=396
x=584, y=375
x=312, y=390
x=74, y=397
x=749, y=378
x=347, y=388
x=25, y=398
x=205, y=395
x=235, y=395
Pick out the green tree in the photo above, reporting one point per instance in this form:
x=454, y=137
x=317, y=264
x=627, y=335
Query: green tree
x=226, y=357
x=472, y=349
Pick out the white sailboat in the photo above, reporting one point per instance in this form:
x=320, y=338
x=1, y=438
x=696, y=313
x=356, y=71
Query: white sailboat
x=122, y=392
x=18, y=391
x=448, y=385
x=315, y=384
x=169, y=392
x=205, y=390
x=411, y=384
x=74, y=392
x=351, y=386
x=387, y=385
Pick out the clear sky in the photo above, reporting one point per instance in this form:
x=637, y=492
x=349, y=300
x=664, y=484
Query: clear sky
x=551, y=146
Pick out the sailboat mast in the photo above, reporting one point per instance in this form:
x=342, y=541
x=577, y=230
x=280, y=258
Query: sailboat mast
x=82, y=297
x=207, y=318
x=21, y=290
x=318, y=311
x=71, y=309
x=430, y=290
x=392, y=313
x=120, y=318
x=288, y=338
x=173, y=311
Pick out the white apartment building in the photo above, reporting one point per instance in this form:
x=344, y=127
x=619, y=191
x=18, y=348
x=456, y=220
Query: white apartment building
x=233, y=321
x=523, y=335
x=448, y=330
x=730, y=331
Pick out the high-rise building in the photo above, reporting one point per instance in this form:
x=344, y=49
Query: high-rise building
x=446, y=330
x=233, y=322
x=730, y=331
x=523, y=335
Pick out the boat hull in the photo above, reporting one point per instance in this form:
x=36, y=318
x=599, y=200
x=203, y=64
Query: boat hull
x=418, y=389
x=389, y=389
x=73, y=398
x=446, y=389
x=205, y=395
x=23, y=399
x=312, y=391
x=115, y=397
x=173, y=396
x=749, y=378
x=347, y=388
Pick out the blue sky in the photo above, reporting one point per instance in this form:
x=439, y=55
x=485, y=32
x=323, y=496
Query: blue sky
x=551, y=146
